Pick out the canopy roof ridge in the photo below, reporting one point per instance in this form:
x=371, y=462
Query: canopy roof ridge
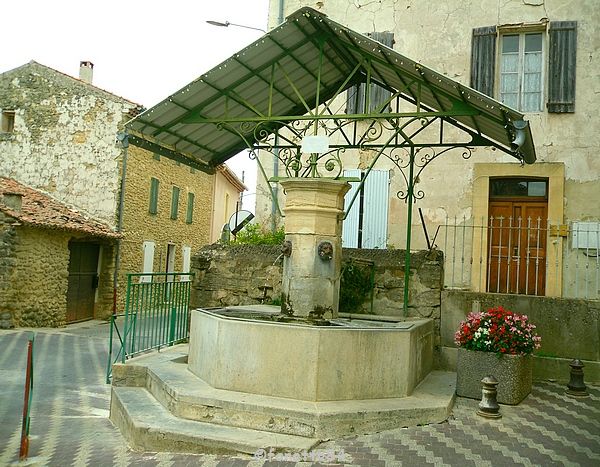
x=303, y=62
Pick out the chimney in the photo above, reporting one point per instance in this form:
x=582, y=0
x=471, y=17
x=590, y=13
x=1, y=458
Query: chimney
x=13, y=201
x=86, y=71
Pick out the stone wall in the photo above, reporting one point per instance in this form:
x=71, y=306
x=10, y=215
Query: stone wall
x=39, y=277
x=569, y=329
x=8, y=240
x=239, y=275
x=140, y=226
x=34, y=272
x=64, y=138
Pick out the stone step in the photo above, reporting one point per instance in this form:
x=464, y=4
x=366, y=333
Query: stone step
x=147, y=425
x=187, y=396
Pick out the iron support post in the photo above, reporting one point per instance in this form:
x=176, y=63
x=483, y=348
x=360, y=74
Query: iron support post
x=409, y=200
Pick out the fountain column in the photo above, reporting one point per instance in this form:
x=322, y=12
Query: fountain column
x=313, y=232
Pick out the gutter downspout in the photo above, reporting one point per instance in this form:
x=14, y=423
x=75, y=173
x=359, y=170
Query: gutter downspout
x=123, y=138
x=274, y=203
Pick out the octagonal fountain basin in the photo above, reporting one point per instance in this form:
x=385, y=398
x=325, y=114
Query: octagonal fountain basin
x=247, y=349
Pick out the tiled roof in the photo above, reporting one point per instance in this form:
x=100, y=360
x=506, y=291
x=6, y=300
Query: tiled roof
x=41, y=210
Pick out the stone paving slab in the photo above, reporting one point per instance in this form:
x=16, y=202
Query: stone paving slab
x=70, y=426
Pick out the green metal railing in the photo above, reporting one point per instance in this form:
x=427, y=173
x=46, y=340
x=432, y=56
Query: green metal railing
x=156, y=315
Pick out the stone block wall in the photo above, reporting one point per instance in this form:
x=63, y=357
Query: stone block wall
x=34, y=272
x=35, y=275
x=64, y=138
x=140, y=226
x=569, y=328
x=238, y=275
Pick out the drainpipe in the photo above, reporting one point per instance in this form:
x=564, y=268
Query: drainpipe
x=276, y=151
x=123, y=138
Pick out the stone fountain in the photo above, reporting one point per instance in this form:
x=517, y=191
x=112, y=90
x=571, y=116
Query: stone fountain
x=259, y=377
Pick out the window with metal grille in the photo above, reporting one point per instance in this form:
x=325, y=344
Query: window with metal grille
x=189, y=216
x=154, y=183
x=175, y=202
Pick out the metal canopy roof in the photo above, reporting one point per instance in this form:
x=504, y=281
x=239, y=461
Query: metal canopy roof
x=293, y=69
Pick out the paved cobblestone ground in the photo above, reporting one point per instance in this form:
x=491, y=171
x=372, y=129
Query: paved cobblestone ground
x=69, y=424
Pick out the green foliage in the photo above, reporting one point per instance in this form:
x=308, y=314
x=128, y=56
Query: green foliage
x=356, y=286
x=255, y=234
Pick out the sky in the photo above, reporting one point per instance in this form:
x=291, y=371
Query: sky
x=142, y=50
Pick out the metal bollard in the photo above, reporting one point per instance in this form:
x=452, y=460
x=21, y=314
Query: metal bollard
x=488, y=407
x=576, y=386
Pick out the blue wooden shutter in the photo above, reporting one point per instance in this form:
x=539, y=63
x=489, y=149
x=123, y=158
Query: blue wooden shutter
x=375, y=216
x=350, y=226
x=483, y=59
x=561, y=66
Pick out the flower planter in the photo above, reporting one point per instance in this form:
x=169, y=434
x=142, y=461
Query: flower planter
x=513, y=373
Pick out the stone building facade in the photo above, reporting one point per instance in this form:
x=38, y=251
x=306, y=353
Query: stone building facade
x=539, y=57
x=58, y=135
x=41, y=284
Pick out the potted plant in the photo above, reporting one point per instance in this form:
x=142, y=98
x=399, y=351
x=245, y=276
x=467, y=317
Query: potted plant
x=495, y=342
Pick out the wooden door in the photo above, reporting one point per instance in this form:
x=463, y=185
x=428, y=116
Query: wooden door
x=517, y=233
x=83, y=281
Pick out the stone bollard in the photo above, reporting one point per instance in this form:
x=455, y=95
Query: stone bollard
x=576, y=386
x=488, y=407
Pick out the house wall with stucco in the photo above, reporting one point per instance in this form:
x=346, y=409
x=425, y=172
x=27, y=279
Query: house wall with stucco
x=438, y=35
x=226, y=199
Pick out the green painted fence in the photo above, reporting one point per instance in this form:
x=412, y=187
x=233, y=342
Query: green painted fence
x=156, y=315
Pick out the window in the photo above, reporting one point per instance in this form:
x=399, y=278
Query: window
x=521, y=60
x=518, y=187
x=189, y=217
x=226, y=209
x=366, y=224
x=148, y=266
x=187, y=255
x=378, y=96
x=153, y=196
x=7, y=121
x=521, y=68
x=174, y=202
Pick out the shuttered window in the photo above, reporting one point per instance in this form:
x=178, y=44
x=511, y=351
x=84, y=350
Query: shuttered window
x=483, y=59
x=153, y=209
x=175, y=202
x=521, y=67
x=562, y=62
x=189, y=216
x=366, y=224
x=521, y=58
x=148, y=265
x=356, y=100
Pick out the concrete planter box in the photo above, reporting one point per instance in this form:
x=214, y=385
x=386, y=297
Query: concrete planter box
x=512, y=371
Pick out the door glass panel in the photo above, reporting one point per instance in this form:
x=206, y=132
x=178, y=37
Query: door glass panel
x=515, y=187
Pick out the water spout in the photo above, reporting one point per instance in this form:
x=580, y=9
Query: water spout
x=278, y=258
